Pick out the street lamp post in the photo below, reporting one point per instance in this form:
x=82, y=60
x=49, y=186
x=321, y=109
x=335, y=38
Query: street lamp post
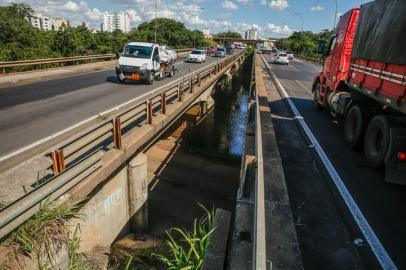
x=156, y=8
x=301, y=34
x=194, y=30
x=335, y=15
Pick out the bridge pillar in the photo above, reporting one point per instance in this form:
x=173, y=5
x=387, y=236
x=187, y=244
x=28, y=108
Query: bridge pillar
x=138, y=193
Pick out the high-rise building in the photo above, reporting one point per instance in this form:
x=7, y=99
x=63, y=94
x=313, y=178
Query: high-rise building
x=42, y=22
x=118, y=20
x=206, y=33
x=60, y=22
x=252, y=33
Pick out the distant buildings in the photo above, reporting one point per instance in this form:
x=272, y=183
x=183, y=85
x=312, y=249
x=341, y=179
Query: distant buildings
x=47, y=23
x=206, y=33
x=116, y=21
x=252, y=34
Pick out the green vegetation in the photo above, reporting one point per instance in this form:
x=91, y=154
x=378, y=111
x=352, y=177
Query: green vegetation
x=188, y=252
x=228, y=34
x=306, y=43
x=19, y=40
x=44, y=234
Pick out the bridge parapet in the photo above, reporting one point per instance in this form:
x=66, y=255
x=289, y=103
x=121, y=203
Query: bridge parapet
x=110, y=140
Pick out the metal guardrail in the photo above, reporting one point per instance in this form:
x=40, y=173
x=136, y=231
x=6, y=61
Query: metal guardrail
x=311, y=60
x=80, y=156
x=59, y=60
x=259, y=244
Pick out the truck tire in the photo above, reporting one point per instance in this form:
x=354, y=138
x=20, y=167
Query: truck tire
x=316, y=89
x=151, y=78
x=356, y=122
x=376, y=142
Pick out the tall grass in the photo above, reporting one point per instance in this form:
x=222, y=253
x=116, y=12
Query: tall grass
x=44, y=234
x=187, y=248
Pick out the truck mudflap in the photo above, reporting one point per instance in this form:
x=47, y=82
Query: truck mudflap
x=395, y=169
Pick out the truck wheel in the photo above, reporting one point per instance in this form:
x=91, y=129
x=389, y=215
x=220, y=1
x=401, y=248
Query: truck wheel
x=376, y=142
x=316, y=90
x=355, y=124
x=150, y=79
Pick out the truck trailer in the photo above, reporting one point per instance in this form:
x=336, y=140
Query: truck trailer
x=363, y=81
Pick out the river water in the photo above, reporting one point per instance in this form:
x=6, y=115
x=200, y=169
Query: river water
x=223, y=129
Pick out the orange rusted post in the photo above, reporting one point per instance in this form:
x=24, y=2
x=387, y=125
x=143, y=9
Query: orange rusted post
x=163, y=103
x=54, y=157
x=61, y=161
x=117, y=133
x=149, y=112
x=180, y=92
x=191, y=85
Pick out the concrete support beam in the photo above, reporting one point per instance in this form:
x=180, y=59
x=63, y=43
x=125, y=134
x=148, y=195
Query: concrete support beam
x=138, y=193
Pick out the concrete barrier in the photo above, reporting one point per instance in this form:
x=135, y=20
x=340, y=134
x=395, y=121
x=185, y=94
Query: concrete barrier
x=215, y=257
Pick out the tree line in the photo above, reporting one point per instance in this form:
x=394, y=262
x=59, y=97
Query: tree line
x=19, y=40
x=306, y=43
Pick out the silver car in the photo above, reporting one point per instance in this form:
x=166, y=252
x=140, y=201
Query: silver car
x=221, y=52
x=281, y=58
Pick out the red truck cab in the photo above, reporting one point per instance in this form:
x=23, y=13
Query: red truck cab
x=338, y=57
x=363, y=82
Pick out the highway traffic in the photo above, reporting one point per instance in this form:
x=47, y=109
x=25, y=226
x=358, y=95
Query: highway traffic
x=45, y=108
x=382, y=204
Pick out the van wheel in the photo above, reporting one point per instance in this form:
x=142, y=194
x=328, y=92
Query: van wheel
x=355, y=124
x=120, y=80
x=150, y=79
x=316, y=93
x=172, y=73
x=376, y=142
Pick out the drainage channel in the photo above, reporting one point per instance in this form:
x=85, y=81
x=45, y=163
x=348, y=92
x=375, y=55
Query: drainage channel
x=195, y=164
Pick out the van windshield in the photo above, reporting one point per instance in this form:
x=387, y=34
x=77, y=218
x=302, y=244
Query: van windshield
x=196, y=52
x=137, y=51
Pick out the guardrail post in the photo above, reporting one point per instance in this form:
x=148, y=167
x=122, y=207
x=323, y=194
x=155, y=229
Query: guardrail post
x=149, y=112
x=54, y=158
x=180, y=92
x=191, y=85
x=117, y=133
x=163, y=103
x=199, y=79
x=4, y=70
x=61, y=160
x=58, y=161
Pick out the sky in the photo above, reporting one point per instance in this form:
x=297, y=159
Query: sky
x=273, y=18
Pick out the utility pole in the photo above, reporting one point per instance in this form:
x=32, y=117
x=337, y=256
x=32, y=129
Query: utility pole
x=335, y=15
x=156, y=9
x=301, y=34
x=194, y=30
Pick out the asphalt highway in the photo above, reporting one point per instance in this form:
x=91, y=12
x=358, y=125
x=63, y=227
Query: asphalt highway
x=32, y=112
x=383, y=204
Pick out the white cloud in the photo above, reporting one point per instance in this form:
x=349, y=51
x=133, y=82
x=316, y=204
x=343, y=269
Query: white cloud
x=263, y=2
x=278, y=4
x=316, y=8
x=229, y=5
x=245, y=2
x=281, y=30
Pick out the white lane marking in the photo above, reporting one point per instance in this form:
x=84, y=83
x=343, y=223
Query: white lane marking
x=30, y=146
x=382, y=256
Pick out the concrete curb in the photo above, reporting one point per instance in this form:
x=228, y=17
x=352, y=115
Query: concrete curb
x=215, y=256
x=282, y=244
